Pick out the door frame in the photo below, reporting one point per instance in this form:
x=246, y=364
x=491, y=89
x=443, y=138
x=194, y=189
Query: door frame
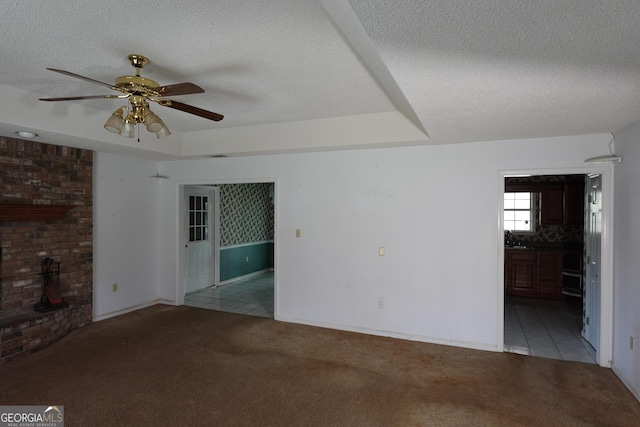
x=605, y=353
x=181, y=234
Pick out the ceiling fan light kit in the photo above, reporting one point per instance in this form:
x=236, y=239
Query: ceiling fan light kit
x=139, y=90
x=124, y=120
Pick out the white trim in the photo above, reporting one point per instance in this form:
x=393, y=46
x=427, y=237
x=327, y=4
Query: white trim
x=391, y=334
x=605, y=353
x=606, y=293
x=132, y=308
x=500, y=256
x=240, y=245
x=180, y=242
x=216, y=236
x=245, y=276
x=628, y=384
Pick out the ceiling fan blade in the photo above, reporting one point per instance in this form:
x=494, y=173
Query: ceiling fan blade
x=192, y=110
x=78, y=76
x=75, y=98
x=179, y=89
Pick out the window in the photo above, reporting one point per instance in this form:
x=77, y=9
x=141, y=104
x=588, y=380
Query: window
x=519, y=211
x=198, y=218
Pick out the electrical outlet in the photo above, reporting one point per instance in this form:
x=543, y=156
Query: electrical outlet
x=114, y=287
x=380, y=303
x=246, y=259
x=631, y=342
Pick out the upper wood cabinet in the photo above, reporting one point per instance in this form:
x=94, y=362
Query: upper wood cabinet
x=574, y=204
x=552, y=204
x=562, y=204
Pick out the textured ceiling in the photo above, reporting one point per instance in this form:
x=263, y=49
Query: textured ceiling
x=293, y=75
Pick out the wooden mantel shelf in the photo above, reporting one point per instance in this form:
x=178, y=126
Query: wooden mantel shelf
x=33, y=212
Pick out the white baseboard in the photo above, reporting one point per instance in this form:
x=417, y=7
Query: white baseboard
x=626, y=382
x=246, y=276
x=130, y=309
x=391, y=334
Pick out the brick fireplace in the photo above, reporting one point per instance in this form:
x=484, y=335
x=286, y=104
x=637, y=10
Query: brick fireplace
x=33, y=178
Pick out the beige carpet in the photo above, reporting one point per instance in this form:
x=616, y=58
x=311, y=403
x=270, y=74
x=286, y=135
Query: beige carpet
x=182, y=366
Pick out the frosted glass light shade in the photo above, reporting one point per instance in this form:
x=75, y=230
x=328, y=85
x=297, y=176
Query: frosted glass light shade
x=153, y=122
x=128, y=130
x=163, y=132
x=115, y=123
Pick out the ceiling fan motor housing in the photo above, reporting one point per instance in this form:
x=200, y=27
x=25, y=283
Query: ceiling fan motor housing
x=138, y=111
x=124, y=81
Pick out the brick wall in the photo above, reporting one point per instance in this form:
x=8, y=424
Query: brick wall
x=33, y=173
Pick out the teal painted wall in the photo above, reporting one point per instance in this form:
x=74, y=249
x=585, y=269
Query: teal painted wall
x=233, y=260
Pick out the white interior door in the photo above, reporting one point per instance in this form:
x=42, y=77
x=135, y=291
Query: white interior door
x=198, y=242
x=593, y=244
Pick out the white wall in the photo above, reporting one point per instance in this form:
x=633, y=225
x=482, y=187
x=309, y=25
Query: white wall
x=626, y=266
x=125, y=234
x=433, y=208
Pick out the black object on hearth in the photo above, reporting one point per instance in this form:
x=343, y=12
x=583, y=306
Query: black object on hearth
x=51, y=298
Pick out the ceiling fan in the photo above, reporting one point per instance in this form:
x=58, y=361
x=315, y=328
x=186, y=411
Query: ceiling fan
x=139, y=90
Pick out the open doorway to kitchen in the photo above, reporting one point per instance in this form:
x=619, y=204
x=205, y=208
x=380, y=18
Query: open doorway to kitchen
x=549, y=246
x=243, y=255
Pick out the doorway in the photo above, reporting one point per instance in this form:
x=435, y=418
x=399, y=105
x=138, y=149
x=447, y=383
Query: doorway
x=536, y=318
x=243, y=255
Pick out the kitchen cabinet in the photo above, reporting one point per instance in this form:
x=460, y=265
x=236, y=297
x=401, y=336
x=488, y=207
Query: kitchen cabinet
x=574, y=204
x=533, y=273
x=562, y=204
x=552, y=204
x=549, y=274
x=523, y=273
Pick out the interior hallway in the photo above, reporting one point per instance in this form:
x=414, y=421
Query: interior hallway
x=252, y=296
x=546, y=328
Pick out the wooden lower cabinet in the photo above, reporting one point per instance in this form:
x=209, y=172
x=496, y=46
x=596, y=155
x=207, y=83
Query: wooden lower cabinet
x=523, y=273
x=549, y=274
x=533, y=273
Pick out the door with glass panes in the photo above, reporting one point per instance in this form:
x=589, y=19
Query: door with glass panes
x=198, y=242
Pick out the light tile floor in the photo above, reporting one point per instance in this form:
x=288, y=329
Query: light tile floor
x=252, y=296
x=545, y=328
